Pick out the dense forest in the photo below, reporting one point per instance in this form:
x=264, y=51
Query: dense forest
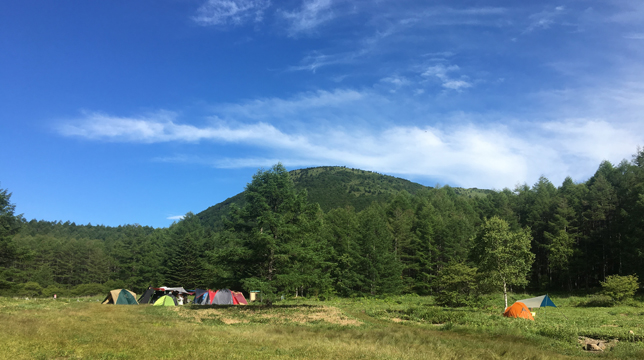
x=345, y=232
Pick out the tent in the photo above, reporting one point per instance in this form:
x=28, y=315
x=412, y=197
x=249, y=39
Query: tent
x=223, y=297
x=150, y=296
x=518, y=310
x=121, y=297
x=219, y=297
x=204, y=297
x=166, y=300
x=239, y=298
x=538, y=302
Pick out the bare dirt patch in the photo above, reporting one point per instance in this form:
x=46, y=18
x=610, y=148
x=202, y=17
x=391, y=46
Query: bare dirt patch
x=596, y=345
x=327, y=314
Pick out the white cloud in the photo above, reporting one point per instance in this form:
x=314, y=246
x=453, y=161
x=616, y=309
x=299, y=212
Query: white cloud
x=544, y=19
x=176, y=217
x=441, y=72
x=233, y=12
x=312, y=14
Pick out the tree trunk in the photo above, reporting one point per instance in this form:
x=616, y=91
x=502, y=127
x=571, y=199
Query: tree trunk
x=505, y=294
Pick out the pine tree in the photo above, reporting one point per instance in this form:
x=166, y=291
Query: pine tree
x=380, y=268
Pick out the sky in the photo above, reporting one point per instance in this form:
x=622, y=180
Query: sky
x=124, y=112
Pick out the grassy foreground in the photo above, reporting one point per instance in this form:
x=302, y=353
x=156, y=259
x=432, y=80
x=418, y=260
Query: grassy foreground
x=405, y=327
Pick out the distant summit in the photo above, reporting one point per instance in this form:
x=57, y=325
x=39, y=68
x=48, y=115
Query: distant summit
x=333, y=187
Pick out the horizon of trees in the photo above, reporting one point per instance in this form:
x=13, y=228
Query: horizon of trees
x=580, y=233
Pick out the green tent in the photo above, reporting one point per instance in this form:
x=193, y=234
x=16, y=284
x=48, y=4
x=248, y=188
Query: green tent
x=121, y=297
x=167, y=300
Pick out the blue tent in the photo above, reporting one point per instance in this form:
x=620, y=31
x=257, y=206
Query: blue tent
x=538, y=302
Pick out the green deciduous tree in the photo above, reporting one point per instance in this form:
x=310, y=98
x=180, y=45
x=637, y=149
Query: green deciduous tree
x=457, y=285
x=620, y=288
x=503, y=255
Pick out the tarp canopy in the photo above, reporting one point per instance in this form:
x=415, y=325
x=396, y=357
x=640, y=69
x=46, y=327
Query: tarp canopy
x=537, y=302
x=121, y=297
x=180, y=290
x=518, y=310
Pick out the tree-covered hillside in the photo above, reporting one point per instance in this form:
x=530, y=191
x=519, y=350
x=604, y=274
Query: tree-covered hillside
x=336, y=187
x=349, y=232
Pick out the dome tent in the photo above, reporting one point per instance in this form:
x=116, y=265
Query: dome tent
x=518, y=310
x=121, y=297
x=166, y=300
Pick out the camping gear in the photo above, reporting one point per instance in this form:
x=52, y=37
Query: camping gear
x=166, y=300
x=121, y=297
x=518, y=310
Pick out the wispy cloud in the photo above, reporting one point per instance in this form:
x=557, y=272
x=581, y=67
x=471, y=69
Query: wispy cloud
x=312, y=14
x=176, y=217
x=337, y=128
x=544, y=19
x=441, y=71
x=231, y=12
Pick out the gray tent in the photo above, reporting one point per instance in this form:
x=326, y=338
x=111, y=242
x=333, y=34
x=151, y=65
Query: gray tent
x=223, y=297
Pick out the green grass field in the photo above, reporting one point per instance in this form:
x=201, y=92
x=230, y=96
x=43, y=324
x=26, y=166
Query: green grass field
x=404, y=327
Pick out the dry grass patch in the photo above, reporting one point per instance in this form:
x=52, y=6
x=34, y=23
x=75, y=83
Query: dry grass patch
x=272, y=315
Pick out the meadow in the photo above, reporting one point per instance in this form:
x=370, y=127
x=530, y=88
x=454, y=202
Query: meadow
x=395, y=327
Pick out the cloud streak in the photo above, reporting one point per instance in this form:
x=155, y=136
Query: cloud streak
x=311, y=15
x=230, y=12
x=319, y=128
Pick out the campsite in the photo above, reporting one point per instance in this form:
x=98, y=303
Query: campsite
x=396, y=327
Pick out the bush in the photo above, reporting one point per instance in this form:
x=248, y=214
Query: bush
x=88, y=290
x=457, y=285
x=50, y=290
x=114, y=284
x=30, y=289
x=620, y=288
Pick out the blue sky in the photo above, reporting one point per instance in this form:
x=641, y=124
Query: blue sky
x=118, y=112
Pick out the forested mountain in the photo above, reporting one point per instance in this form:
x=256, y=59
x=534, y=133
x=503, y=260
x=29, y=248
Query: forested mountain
x=334, y=187
x=347, y=232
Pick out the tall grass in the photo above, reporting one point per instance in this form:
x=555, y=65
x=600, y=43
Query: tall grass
x=402, y=327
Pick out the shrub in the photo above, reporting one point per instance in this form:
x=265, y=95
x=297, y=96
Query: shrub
x=457, y=285
x=620, y=288
x=50, y=290
x=30, y=289
x=88, y=289
x=114, y=284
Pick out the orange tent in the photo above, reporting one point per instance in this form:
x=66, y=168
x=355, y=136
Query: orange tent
x=518, y=310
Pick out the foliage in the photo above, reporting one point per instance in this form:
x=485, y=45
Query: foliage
x=457, y=284
x=502, y=255
x=30, y=289
x=620, y=288
x=581, y=233
x=88, y=290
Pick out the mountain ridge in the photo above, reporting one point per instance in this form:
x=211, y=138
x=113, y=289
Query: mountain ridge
x=336, y=186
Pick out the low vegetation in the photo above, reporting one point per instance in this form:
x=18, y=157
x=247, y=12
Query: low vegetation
x=396, y=327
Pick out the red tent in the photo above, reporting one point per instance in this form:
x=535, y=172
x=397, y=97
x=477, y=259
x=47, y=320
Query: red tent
x=239, y=299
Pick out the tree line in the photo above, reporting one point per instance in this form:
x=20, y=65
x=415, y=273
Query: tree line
x=562, y=238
